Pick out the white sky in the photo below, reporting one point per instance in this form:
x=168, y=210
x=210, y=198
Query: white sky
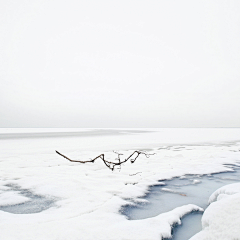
x=119, y=63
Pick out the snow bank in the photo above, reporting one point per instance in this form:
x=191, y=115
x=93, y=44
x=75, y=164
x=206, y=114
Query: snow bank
x=101, y=224
x=221, y=219
x=225, y=190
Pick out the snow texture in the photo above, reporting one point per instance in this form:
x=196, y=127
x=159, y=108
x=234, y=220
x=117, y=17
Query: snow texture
x=90, y=196
x=221, y=219
x=11, y=198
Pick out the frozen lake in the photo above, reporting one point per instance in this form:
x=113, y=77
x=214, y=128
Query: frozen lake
x=45, y=196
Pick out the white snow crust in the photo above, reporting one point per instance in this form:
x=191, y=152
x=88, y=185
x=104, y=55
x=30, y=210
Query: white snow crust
x=11, y=198
x=89, y=196
x=221, y=220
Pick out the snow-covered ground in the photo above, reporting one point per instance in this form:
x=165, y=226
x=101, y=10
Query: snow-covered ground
x=88, y=197
x=221, y=220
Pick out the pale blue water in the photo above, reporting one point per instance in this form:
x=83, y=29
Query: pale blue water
x=190, y=189
x=37, y=203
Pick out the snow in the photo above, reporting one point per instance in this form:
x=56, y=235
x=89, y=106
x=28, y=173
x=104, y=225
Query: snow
x=221, y=219
x=89, y=196
x=196, y=181
x=10, y=198
x=225, y=190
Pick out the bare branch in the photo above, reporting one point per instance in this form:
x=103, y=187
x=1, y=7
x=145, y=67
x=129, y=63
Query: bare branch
x=111, y=165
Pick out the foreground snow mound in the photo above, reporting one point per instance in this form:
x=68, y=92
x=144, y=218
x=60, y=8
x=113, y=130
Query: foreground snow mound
x=221, y=219
x=102, y=224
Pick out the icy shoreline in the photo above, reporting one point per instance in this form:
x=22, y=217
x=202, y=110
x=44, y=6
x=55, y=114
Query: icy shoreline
x=91, y=195
x=221, y=219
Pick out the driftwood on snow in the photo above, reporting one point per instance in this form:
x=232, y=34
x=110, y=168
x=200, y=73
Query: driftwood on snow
x=111, y=165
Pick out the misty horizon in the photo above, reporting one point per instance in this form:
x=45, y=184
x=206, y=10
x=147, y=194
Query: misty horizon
x=128, y=64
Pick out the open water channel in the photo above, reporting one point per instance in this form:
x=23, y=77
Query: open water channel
x=178, y=191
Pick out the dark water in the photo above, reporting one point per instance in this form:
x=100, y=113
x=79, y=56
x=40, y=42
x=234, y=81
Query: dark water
x=36, y=204
x=178, y=191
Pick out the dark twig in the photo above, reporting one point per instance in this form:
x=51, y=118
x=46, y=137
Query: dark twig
x=111, y=165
